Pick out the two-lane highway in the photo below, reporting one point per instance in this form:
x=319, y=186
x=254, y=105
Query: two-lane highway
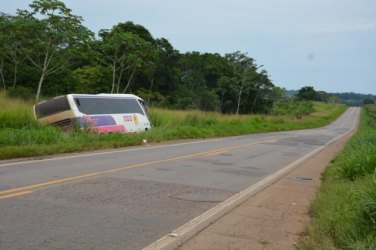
x=126, y=199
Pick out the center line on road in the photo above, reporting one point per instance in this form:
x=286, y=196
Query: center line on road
x=15, y=194
x=217, y=152
x=27, y=189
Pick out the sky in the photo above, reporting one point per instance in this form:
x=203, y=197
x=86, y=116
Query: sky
x=327, y=44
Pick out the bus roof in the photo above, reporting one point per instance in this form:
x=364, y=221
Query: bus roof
x=119, y=95
x=93, y=95
x=107, y=95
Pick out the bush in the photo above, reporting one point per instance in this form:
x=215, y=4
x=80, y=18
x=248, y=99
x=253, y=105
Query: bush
x=15, y=113
x=293, y=107
x=21, y=119
x=20, y=92
x=282, y=107
x=302, y=108
x=359, y=158
x=370, y=110
x=366, y=203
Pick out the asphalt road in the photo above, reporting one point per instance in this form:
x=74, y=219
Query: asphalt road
x=127, y=199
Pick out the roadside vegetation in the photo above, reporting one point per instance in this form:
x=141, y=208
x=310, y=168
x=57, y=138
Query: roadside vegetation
x=22, y=136
x=344, y=211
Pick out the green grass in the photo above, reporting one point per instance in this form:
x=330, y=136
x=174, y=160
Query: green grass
x=195, y=124
x=22, y=136
x=15, y=113
x=344, y=210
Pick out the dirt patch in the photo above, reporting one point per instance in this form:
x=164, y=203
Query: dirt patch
x=273, y=218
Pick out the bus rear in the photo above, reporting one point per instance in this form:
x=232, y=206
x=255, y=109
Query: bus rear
x=56, y=111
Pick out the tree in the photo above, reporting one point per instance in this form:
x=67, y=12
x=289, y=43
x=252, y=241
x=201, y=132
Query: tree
x=90, y=79
x=136, y=29
x=166, y=71
x=192, y=70
x=307, y=93
x=368, y=100
x=192, y=81
x=124, y=52
x=54, y=38
x=322, y=96
x=207, y=100
x=261, y=91
x=3, y=42
x=223, y=88
x=244, y=74
x=214, y=67
x=278, y=93
x=113, y=54
x=12, y=39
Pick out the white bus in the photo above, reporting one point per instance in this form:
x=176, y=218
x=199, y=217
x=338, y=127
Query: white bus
x=102, y=113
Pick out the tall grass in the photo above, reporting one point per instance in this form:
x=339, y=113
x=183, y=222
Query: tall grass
x=344, y=211
x=15, y=113
x=18, y=126
x=21, y=135
x=197, y=124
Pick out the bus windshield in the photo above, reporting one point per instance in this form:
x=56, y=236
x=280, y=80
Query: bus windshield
x=101, y=105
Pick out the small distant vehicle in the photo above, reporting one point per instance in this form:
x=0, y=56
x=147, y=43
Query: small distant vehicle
x=101, y=113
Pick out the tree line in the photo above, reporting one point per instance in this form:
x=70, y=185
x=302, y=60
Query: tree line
x=47, y=51
x=355, y=99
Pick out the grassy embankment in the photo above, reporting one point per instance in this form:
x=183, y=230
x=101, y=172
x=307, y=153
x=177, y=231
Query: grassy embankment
x=344, y=211
x=22, y=136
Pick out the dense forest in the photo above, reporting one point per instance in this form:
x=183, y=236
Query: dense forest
x=350, y=98
x=47, y=51
x=354, y=99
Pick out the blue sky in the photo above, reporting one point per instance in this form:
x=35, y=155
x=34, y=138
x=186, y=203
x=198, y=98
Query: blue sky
x=327, y=44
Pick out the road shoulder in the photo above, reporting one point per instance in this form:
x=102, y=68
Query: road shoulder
x=273, y=218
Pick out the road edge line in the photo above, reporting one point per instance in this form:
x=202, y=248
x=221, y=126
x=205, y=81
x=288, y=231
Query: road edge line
x=182, y=234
